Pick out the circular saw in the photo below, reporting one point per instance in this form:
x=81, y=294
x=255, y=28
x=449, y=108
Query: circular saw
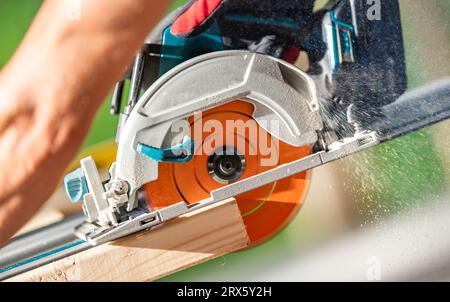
x=181, y=149
x=206, y=122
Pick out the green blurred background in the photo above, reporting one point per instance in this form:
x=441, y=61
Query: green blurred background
x=367, y=188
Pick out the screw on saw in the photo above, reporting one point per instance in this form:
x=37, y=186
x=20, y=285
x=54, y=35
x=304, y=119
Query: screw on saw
x=119, y=187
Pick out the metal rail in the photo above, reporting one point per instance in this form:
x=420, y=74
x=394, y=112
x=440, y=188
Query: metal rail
x=41, y=246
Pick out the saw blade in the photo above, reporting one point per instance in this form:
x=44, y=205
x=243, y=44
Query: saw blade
x=232, y=147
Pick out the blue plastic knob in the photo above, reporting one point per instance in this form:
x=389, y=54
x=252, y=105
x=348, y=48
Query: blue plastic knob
x=75, y=185
x=180, y=153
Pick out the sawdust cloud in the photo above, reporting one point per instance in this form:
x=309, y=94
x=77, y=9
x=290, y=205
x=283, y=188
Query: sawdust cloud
x=393, y=177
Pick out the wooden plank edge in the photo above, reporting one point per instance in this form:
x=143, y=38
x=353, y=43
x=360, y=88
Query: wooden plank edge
x=149, y=255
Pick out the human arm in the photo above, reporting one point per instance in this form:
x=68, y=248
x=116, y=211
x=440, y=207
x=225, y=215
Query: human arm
x=51, y=89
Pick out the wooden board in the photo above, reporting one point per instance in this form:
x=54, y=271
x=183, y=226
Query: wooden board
x=150, y=255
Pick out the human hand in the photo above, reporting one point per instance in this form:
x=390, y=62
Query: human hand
x=39, y=135
x=51, y=90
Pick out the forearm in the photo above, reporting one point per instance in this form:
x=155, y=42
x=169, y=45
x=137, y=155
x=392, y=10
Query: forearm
x=51, y=89
x=79, y=61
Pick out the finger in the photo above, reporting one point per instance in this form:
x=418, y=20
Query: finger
x=195, y=18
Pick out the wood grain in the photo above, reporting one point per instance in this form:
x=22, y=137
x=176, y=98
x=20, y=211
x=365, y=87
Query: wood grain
x=150, y=255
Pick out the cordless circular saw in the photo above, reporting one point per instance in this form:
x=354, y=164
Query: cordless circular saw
x=226, y=114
